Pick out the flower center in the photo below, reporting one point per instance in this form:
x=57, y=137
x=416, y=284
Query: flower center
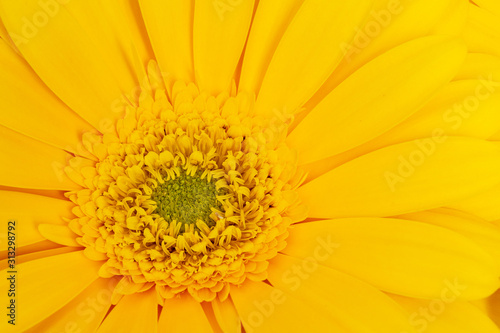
x=190, y=193
x=187, y=199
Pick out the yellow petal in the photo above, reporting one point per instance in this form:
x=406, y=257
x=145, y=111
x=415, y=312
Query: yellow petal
x=480, y=65
x=482, y=31
x=305, y=57
x=226, y=315
x=4, y=35
x=140, y=310
x=55, y=194
x=491, y=305
x=28, y=211
x=125, y=31
x=41, y=246
x=484, y=234
x=380, y=95
x=209, y=313
x=74, y=50
x=220, y=32
x=170, y=28
x=84, y=313
x=408, y=177
x=60, y=234
x=29, y=107
x=461, y=108
x=490, y=5
x=183, y=314
x=37, y=255
x=31, y=163
x=54, y=280
x=350, y=302
x=392, y=23
x=446, y=315
x=404, y=257
x=263, y=308
x=483, y=304
x=270, y=22
x=495, y=137
x=484, y=204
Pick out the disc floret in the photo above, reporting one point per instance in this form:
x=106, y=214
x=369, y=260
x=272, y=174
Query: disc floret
x=187, y=199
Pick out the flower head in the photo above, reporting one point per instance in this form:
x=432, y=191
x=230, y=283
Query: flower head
x=187, y=198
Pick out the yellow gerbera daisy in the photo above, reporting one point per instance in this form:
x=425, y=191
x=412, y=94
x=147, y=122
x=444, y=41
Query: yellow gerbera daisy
x=247, y=166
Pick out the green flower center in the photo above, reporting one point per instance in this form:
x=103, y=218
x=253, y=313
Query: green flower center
x=187, y=199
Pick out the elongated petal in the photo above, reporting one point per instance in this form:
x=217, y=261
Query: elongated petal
x=380, y=95
x=4, y=35
x=220, y=32
x=308, y=53
x=55, y=194
x=264, y=308
x=392, y=23
x=44, y=245
x=75, y=50
x=446, y=315
x=82, y=314
x=351, y=303
x=268, y=26
x=480, y=65
x=29, y=107
x=461, y=108
x=37, y=255
x=125, y=31
x=226, y=315
x=31, y=163
x=403, y=178
x=482, y=31
x=484, y=234
x=170, y=27
x=183, y=315
x=490, y=5
x=28, y=211
x=484, y=205
x=60, y=234
x=54, y=280
x=399, y=256
x=492, y=305
x=141, y=309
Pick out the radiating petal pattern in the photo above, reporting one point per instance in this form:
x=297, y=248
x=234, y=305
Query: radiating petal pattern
x=253, y=166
